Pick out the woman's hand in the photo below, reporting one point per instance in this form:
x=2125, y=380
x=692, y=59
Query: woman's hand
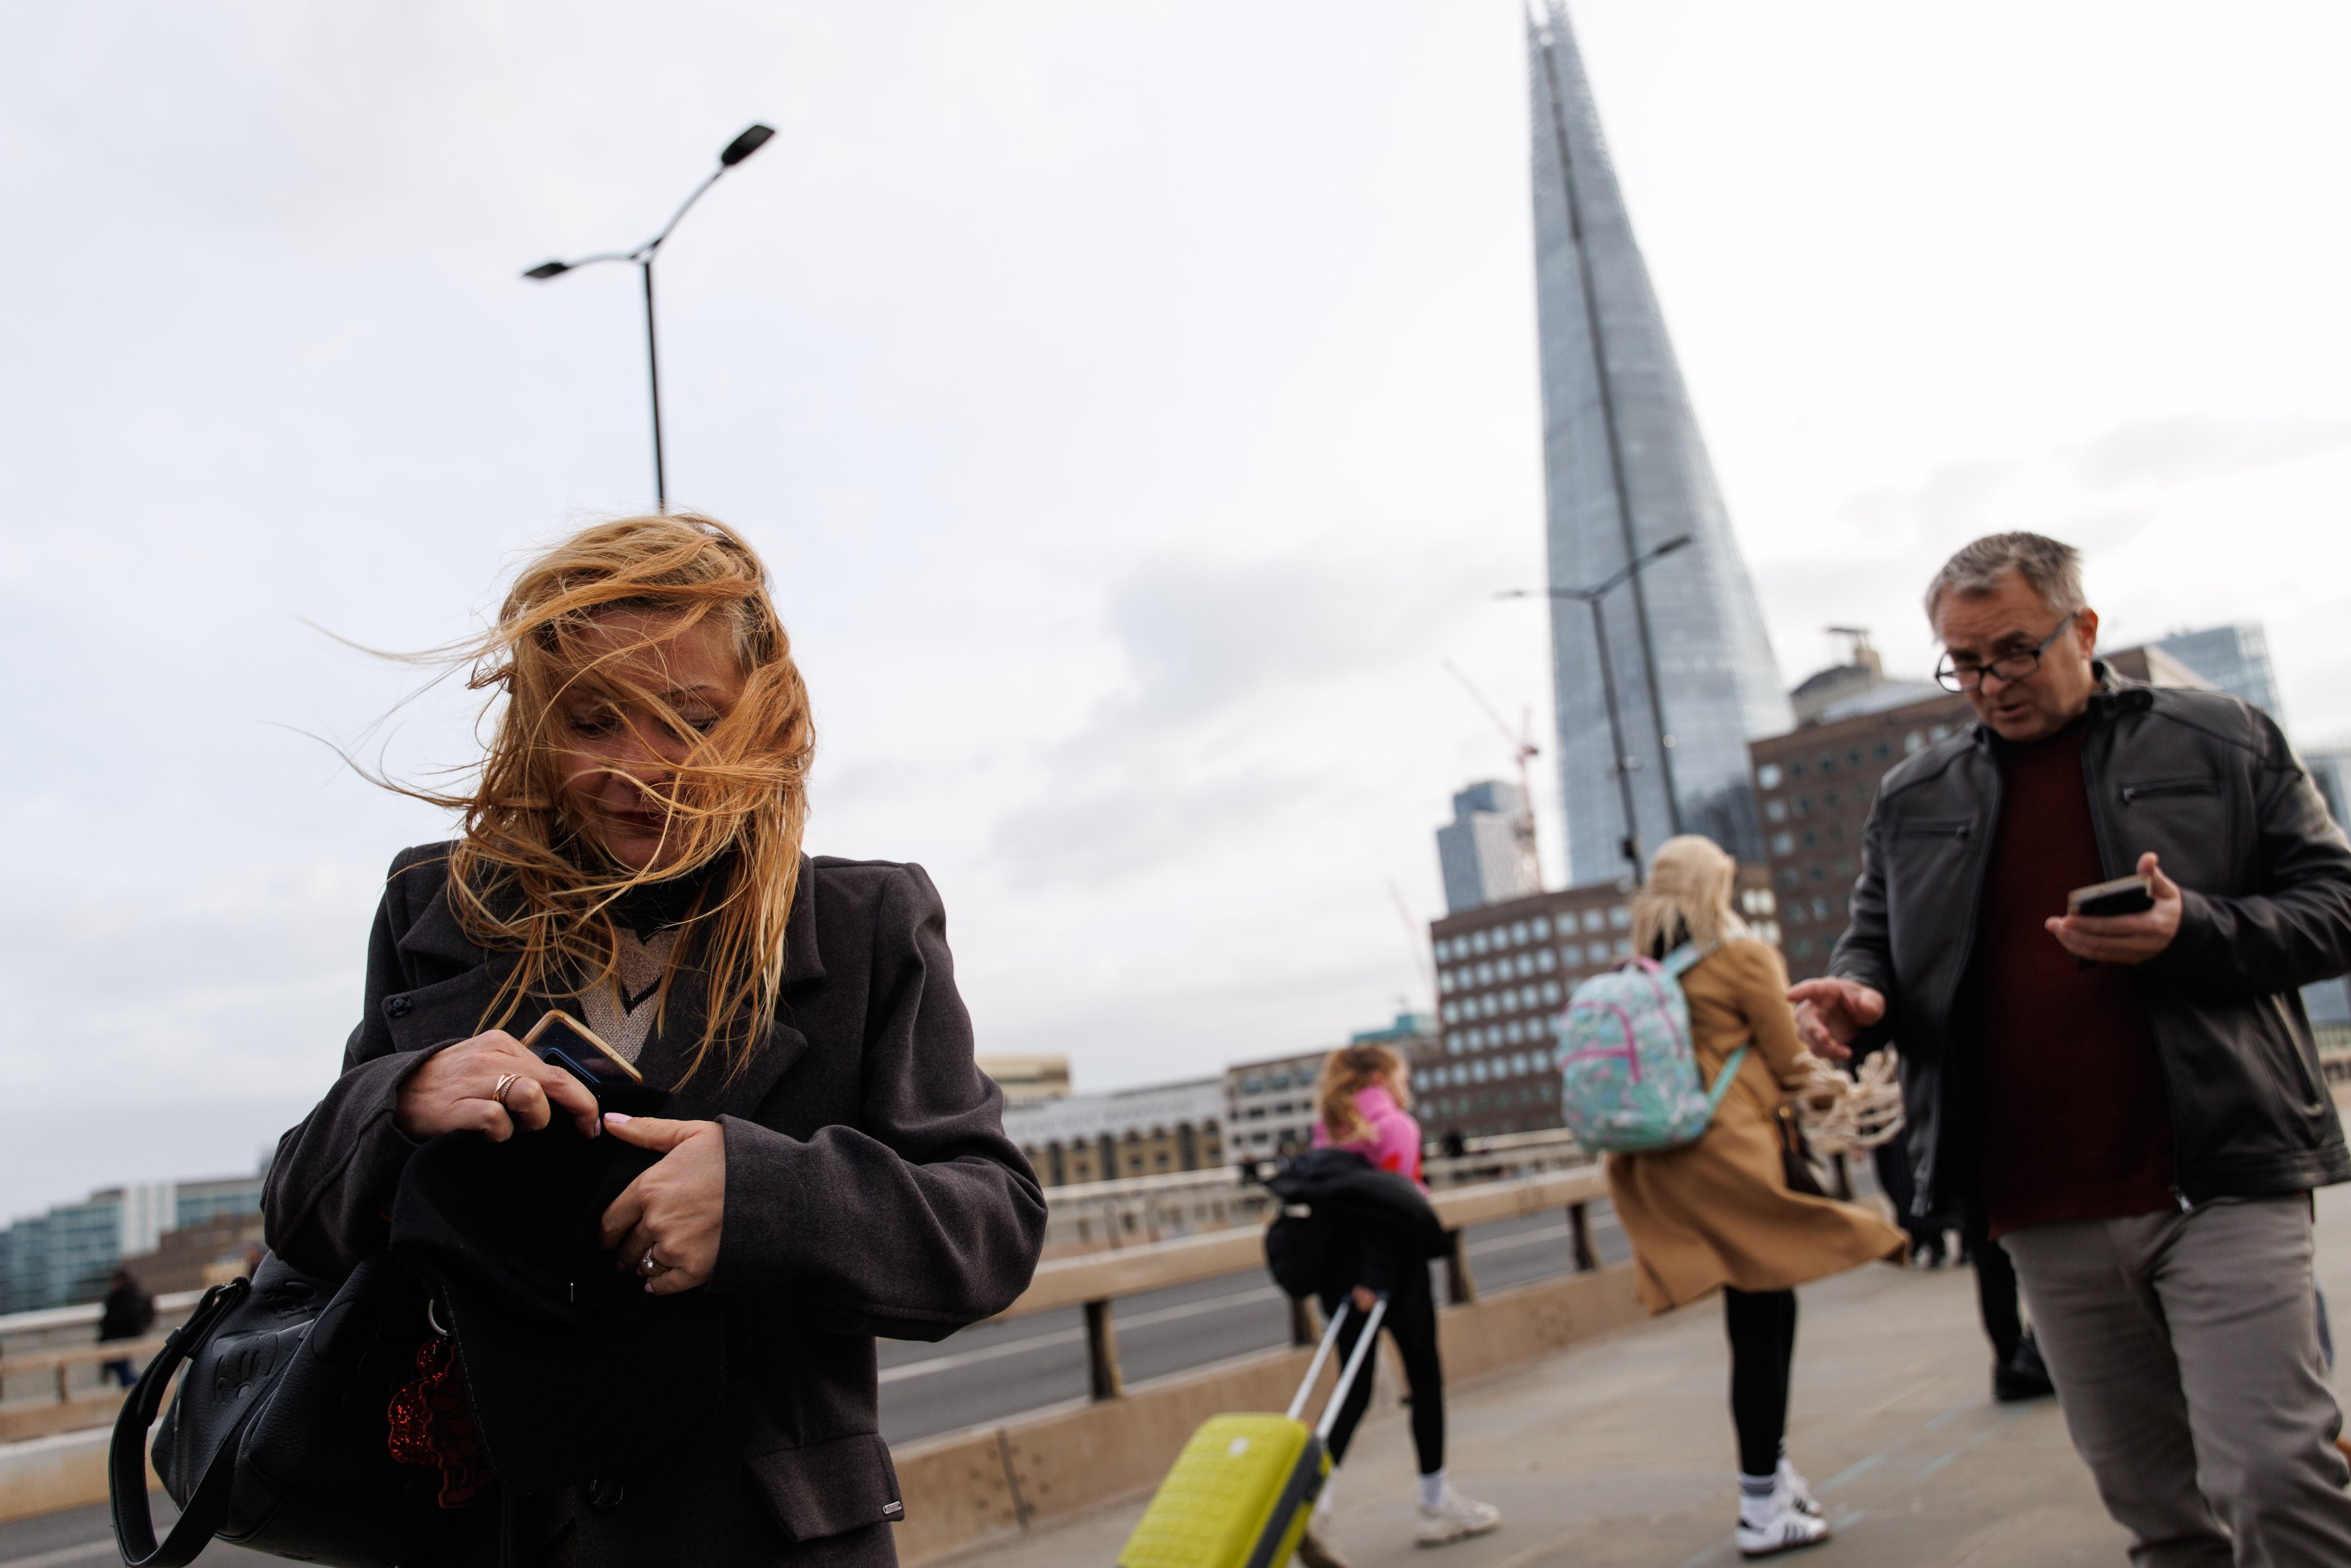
x=665, y=1224
x=458, y=1091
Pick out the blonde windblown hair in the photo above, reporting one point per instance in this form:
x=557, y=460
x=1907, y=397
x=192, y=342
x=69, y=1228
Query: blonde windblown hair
x=526, y=881
x=1346, y=1070
x=1687, y=898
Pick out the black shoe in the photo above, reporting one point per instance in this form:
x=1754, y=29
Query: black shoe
x=2025, y=1377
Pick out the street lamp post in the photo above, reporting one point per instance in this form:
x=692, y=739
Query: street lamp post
x=1620, y=764
x=754, y=136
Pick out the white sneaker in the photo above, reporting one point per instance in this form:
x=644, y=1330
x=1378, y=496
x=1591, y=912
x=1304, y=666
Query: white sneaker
x=1783, y=1529
x=1459, y=1519
x=1790, y=1489
x=1318, y=1548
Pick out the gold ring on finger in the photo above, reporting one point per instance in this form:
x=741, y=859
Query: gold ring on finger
x=506, y=1082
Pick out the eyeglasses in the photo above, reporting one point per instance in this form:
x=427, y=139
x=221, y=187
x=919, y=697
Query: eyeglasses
x=1953, y=676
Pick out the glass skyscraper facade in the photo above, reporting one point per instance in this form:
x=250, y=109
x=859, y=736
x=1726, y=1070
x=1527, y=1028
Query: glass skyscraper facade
x=1626, y=471
x=2234, y=658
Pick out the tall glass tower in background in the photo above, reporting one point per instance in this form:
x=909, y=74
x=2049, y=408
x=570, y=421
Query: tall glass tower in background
x=1626, y=470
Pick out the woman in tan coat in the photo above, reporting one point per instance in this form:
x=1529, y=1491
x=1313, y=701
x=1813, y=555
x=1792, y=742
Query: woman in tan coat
x=1717, y=1214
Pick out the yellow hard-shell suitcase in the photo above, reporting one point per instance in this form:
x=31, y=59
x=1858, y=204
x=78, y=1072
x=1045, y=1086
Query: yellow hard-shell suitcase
x=1240, y=1491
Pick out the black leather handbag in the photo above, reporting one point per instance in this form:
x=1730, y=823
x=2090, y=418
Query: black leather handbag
x=276, y=1440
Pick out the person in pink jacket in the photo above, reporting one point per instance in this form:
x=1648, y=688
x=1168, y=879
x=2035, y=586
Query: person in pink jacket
x=1363, y=1104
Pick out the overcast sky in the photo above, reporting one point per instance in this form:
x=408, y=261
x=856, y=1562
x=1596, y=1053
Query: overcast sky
x=1136, y=404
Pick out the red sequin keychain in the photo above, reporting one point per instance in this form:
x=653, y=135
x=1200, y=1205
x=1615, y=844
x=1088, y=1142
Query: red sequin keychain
x=433, y=1423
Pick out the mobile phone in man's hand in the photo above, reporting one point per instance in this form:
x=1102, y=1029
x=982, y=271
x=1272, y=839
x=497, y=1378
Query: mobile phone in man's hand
x=2124, y=896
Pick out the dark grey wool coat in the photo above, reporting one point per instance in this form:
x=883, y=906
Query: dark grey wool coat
x=870, y=1191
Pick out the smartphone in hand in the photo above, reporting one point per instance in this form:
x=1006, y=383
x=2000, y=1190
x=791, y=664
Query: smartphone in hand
x=562, y=1040
x=2124, y=896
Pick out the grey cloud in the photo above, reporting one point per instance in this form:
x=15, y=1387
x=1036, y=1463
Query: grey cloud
x=2175, y=448
x=1219, y=728
x=1950, y=504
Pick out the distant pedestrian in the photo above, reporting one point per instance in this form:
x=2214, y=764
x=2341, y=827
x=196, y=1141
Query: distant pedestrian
x=1362, y=1104
x=129, y=1312
x=2017, y=1373
x=1719, y=1214
x=2134, y=1099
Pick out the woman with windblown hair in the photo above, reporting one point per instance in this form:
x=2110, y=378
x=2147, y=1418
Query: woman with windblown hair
x=1718, y=1214
x=831, y=1165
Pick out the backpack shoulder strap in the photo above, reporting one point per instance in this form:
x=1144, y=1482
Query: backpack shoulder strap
x=1678, y=961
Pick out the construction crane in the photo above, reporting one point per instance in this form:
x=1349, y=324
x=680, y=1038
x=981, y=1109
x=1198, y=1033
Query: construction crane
x=1524, y=751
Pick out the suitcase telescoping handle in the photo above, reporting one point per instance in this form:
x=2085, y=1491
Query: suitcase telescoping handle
x=1346, y=1374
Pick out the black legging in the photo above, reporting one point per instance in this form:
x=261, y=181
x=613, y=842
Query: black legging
x=1411, y=1322
x=1763, y=1329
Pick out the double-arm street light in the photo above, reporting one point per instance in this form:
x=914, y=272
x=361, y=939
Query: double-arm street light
x=1621, y=764
x=753, y=138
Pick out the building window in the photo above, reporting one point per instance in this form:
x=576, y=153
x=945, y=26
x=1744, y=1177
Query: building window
x=1819, y=871
x=1543, y=960
x=1512, y=1034
x=1518, y=933
x=1812, y=837
x=1828, y=761
x=1768, y=776
x=1884, y=750
x=1795, y=771
x=1540, y=926
x=1940, y=732
x=1912, y=742
x=1476, y=941
x=1828, y=800
x=1621, y=918
x=1595, y=919
x=1803, y=948
x=1781, y=844
x=1803, y=806
x=1789, y=876
x=1550, y=991
x=1775, y=809
x=1596, y=953
x=1624, y=946
x=1853, y=757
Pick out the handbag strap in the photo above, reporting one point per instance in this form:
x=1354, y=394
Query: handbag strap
x=134, y=1522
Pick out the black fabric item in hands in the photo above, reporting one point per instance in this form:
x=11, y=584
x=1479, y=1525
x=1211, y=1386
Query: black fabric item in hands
x=574, y=1371
x=1761, y=1326
x=276, y=1441
x=1339, y=1214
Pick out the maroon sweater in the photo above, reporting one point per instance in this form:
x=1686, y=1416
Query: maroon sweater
x=2076, y=1123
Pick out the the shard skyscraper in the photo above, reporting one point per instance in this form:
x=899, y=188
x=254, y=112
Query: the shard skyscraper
x=1626, y=471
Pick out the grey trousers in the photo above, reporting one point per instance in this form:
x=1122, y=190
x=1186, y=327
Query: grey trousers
x=2185, y=1352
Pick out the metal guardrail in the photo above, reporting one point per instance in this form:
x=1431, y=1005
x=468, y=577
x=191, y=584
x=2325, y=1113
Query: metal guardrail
x=1096, y=1282
x=1141, y=1211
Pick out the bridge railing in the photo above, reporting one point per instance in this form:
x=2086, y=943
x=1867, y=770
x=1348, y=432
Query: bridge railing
x=1138, y=1211
x=1096, y=1282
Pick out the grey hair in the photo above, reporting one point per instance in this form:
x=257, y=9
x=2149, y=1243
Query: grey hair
x=2054, y=571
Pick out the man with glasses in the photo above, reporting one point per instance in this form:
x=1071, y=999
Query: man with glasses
x=2133, y=1100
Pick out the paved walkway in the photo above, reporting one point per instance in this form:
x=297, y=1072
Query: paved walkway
x=1620, y=1454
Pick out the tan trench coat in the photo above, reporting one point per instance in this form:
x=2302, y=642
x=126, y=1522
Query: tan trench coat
x=1719, y=1212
